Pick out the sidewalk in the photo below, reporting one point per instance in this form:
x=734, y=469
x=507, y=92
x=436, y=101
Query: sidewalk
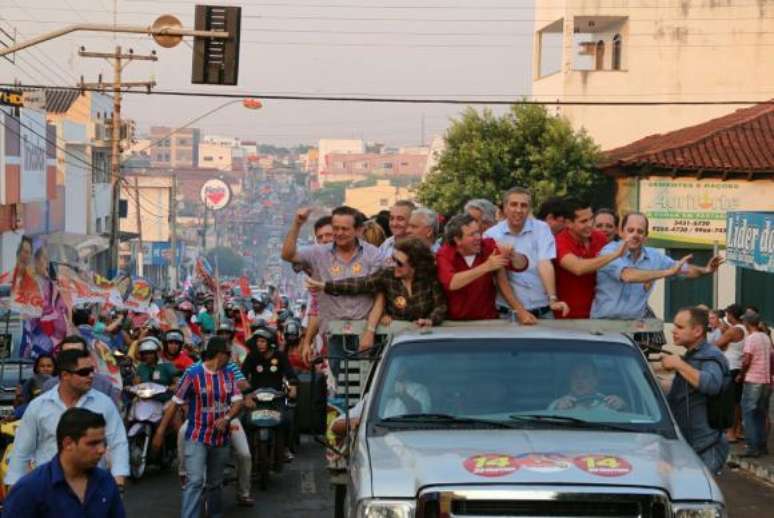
x=761, y=467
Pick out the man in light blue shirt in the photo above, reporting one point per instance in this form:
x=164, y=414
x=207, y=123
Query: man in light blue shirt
x=36, y=436
x=624, y=285
x=536, y=286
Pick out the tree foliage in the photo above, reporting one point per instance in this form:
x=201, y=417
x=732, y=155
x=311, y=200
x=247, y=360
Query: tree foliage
x=331, y=195
x=230, y=264
x=486, y=155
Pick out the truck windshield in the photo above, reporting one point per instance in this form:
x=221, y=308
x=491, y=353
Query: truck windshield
x=524, y=382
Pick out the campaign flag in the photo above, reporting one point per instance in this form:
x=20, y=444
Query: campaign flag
x=75, y=289
x=140, y=297
x=205, y=274
x=26, y=295
x=244, y=286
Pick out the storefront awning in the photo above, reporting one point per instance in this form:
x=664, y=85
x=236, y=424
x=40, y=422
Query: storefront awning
x=750, y=240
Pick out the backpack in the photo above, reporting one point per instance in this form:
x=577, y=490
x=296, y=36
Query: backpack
x=720, y=407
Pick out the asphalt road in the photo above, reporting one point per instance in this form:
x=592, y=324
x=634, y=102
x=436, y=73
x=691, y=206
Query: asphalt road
x=302, y=491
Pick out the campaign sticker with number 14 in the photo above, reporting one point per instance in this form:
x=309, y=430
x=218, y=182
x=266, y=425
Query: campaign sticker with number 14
x=603, y=465
x=491, y=465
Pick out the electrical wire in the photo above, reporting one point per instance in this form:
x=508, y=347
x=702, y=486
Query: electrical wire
x=414, y=100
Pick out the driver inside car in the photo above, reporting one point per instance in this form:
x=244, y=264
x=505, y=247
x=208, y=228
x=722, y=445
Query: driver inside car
x=407, y=396
x=584, y=383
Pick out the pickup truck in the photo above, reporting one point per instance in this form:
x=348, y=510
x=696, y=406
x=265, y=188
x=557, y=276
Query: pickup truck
x=494, y=419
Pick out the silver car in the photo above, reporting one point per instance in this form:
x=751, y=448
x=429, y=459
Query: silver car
x=500, y=420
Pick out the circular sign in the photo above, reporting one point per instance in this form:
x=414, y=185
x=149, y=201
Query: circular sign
x=163, y=23
x=544, y=462
x=491, y=465
x=603, y=465
x=215, y=194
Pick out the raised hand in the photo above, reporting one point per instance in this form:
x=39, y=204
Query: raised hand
x=302, y=215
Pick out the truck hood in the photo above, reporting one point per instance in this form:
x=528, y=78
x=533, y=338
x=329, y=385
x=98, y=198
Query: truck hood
x=403, y=462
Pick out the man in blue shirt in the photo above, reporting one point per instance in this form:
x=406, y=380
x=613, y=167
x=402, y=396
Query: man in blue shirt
x=70, y=485
x=35, y=438
x=700, y=374
x=624, y=285
x=535, y=287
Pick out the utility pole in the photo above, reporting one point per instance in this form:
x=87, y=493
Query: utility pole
x=139, y=255
x=173, y=233
x=117, y=58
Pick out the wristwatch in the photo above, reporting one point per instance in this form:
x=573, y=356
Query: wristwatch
x=553, y=298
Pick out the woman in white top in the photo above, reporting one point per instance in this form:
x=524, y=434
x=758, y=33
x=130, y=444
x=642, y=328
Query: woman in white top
x=731, y=342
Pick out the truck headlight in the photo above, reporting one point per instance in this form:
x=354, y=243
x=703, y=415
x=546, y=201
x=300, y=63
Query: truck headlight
x=703, y=510
x=385, y=509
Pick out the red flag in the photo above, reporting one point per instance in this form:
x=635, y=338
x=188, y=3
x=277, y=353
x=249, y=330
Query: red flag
x=244, y=285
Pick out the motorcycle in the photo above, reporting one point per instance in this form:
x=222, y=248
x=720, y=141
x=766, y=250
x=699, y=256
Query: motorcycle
x=267, y=440
x=144, y=417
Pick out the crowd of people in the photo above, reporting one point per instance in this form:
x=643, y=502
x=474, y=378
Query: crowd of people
x=490, y=261
x=206, y=359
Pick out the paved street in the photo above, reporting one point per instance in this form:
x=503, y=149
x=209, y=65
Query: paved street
x=302, y=491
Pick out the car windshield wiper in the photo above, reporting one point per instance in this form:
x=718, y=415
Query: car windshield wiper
x=570, y=421
x=444, y=418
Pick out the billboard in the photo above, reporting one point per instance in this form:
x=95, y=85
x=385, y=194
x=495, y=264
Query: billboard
x=750, y=242
x=694, y=212
x=33, y=130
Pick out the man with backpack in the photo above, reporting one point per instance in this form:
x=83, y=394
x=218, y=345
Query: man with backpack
x=701, y=389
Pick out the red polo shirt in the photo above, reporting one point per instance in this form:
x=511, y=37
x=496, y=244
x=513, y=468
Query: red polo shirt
x=476, y=301
x=577, y=290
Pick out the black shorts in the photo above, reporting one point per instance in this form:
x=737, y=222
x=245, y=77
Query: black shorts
x=737, y=386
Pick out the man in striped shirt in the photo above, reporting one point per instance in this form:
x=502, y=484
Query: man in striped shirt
x=213, y=400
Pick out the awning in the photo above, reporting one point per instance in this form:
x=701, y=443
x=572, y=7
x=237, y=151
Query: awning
x=66, y=246
x=750, y=240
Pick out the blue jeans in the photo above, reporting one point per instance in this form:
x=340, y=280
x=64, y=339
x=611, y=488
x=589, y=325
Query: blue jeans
x=715, y=457
x=204, y=466
x=754, y=397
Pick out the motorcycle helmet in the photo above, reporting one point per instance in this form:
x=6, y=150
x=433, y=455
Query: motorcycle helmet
x=149, y=344
x=291, y=329
x=226, y=326
x=283, y=315
x=264, y=332
x=174, y=335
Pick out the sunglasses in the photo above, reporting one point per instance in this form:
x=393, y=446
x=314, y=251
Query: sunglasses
x=84, y=372
x=398, y=262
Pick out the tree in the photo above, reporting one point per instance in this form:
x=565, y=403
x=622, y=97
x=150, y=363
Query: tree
x=230, y=264
x=331, y=195
x=486, y=155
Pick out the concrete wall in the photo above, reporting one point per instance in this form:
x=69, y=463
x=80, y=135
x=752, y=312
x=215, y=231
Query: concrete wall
x=371, y=200
x=677, y=51
x=154, y=207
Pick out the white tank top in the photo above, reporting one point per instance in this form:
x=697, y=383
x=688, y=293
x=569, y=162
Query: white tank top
x=734, y=350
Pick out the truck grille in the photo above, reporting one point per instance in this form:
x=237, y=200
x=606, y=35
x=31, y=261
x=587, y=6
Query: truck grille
x=520, y=501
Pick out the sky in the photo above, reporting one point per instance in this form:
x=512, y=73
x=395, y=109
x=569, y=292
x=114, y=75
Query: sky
x=395, y=48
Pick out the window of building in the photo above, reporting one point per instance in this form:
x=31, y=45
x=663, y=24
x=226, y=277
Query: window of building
x=387, y=165
x=755, y=288
x=599, y=56
x=549, y=49
x=681, y=292
x=404, y=164
x=384, y=202
x=616, y=65
x=99, y=225
x=183, y=142
x=207, y=159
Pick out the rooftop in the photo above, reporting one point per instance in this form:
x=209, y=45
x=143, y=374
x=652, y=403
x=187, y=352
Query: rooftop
x=737, y=145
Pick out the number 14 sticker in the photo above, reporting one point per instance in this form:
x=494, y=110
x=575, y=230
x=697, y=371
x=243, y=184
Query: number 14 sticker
x=603, y=465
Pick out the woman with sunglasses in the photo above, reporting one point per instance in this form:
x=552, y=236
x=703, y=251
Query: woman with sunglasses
x=410, y=287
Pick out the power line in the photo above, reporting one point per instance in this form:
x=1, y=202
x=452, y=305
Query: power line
x=417, y=100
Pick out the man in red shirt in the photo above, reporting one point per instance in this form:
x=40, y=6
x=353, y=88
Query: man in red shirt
x=471, y=269
x=577, y=259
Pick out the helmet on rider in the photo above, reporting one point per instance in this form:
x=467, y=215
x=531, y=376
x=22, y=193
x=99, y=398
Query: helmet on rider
x=149, y=349
x=283, y=315
x=262, y=338
x=291, y=330
x=226, y=329
x=173, y=336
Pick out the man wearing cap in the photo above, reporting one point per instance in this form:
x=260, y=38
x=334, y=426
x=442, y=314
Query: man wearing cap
x=213, y=400
x=756, y=374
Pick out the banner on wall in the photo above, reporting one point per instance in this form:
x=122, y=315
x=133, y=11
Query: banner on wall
x=692, y=211
x=750, y=240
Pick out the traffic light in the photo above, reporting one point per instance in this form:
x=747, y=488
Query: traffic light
x=216, y=61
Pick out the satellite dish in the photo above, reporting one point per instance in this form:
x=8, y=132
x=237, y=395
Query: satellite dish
x=167, y=21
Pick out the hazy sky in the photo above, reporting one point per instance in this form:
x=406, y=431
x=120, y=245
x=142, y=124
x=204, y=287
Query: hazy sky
x=434, y=48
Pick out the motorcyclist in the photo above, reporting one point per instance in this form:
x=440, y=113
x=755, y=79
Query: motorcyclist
x=206, y=316
x=267, y=367
x=173, y=350
x=226, y=330
x=260, y=308
x=291, y=333
x=150, y=369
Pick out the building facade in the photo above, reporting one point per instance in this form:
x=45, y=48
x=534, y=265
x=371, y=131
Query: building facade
x=676, y=51
x=180, y=149
x=371, y=200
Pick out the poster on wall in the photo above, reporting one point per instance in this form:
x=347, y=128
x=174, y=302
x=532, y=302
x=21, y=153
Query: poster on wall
x=694, y=212
x=750, y=240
